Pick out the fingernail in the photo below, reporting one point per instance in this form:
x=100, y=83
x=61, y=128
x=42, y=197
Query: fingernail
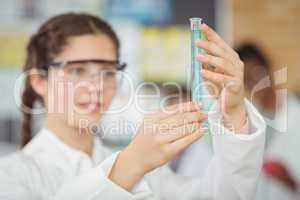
x=204, y=128
x=199, y=104
x=203, y=26
x=200, y=43
x=201, y=57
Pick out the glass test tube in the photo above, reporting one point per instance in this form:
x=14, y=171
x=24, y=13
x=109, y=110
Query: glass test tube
x=197, y=87
x=196, y=78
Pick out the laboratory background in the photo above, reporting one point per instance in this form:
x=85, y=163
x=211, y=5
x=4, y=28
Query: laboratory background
x=155, y=42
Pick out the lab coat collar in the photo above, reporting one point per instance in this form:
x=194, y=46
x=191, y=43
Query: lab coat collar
x=47, y=141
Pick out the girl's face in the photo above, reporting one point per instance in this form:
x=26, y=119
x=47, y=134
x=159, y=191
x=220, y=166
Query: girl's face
x=79, y=92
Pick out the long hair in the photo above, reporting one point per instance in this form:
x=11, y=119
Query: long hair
x=48, y=42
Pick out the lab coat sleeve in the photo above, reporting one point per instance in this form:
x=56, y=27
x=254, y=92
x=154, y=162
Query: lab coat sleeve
x=233, y=170
x=18, y=181
x=95, y=185
x=238, y=157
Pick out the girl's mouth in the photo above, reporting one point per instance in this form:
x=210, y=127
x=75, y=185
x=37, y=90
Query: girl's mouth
x=91, y=107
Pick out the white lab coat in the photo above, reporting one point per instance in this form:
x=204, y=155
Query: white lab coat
x=49, y=169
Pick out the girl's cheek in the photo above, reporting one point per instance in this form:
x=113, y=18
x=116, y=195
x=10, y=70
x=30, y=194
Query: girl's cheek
x=108, y=95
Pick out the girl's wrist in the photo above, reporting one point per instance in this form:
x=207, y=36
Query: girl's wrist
x=236, y=118
x=133, y=162
x=126, y=171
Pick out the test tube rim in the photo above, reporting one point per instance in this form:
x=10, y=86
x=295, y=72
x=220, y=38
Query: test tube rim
x=194, y=21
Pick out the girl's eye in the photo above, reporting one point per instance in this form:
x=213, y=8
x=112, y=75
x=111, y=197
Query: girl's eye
x=109, y=75
x=77, y=71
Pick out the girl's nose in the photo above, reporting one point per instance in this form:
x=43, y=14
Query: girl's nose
x=97, y=85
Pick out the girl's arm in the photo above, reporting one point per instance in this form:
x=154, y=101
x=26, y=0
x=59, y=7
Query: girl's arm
x=22, y=179
x=233, y=171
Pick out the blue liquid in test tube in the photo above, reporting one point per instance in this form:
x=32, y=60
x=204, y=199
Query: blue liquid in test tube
x=197, y=83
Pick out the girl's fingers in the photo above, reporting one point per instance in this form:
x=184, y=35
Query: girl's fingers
x=214, y=49
x=206, y=66
x=184, y=142
x=211, y=35
x=217, y=78
x=169, y=111
x=220, y=63
x=180, y=132
x=184, y=118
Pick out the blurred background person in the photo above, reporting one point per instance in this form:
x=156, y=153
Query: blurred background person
x=280, y=178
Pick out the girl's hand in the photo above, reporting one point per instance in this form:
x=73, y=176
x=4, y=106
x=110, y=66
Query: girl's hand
x=227, y=76
x=160, y=138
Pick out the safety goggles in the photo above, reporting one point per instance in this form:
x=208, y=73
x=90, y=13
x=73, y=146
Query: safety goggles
x=109, y=71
